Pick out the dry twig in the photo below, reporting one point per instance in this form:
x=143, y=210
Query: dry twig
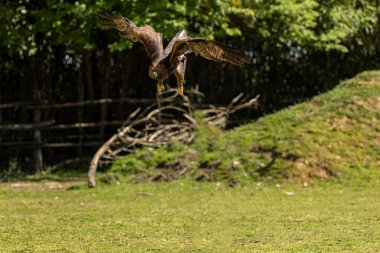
x=167, y=120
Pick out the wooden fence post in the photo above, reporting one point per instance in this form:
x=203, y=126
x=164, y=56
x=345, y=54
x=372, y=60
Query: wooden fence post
x=38, y=158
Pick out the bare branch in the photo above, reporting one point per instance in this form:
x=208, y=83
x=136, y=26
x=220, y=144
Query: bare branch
x=168, y=119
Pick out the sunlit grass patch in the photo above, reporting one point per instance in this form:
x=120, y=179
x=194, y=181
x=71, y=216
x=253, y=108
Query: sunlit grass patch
x=185, y=216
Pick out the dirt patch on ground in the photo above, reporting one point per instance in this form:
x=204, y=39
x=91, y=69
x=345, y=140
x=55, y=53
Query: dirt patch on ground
x=40, y=186
x=372, y=103
x=342, y=123
x=312, y=167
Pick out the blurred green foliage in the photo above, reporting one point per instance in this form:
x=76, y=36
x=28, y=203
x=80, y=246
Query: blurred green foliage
x=30, y=26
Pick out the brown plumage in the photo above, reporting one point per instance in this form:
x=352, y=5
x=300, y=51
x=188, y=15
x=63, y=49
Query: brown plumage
x=172, y=59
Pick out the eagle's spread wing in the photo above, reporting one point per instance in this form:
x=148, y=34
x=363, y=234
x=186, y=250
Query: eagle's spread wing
x=151, y=39
x=208, y=49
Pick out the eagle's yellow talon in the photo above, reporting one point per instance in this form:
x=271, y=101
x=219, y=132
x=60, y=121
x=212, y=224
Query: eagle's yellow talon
x=160, y=88
x=180, y=90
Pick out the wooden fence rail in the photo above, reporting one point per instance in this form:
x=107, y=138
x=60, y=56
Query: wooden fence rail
x=34, y=129
x=51, y=125
x=37, y=135
x=34, y=105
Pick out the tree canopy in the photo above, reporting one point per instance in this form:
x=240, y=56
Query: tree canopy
x=31, y=26
x=286, y=29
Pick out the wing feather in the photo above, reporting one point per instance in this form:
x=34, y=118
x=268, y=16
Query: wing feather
x=208, y=49
x=151, y=39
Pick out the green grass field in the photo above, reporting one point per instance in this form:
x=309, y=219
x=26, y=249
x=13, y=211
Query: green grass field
x=184, y=216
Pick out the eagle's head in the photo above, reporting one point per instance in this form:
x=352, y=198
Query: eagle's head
x=158, y=73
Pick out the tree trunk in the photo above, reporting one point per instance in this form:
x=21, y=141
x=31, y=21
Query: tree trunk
x=104, y=90
x=88, y=69
x=80, y=111
x=37, y=138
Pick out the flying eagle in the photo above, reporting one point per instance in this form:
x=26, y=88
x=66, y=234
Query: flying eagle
x=172, y=59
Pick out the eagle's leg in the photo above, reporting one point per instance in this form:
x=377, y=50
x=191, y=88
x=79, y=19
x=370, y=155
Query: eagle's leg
x=180, y=87
x=179, y=73
x=160, y=87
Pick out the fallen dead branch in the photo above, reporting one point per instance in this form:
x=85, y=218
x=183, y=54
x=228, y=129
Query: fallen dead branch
x=168, y=119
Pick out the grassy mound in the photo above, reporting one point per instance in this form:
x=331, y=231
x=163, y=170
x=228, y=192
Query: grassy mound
x=334, y=135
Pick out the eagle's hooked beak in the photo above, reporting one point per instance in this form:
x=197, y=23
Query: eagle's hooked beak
x=160, y=87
